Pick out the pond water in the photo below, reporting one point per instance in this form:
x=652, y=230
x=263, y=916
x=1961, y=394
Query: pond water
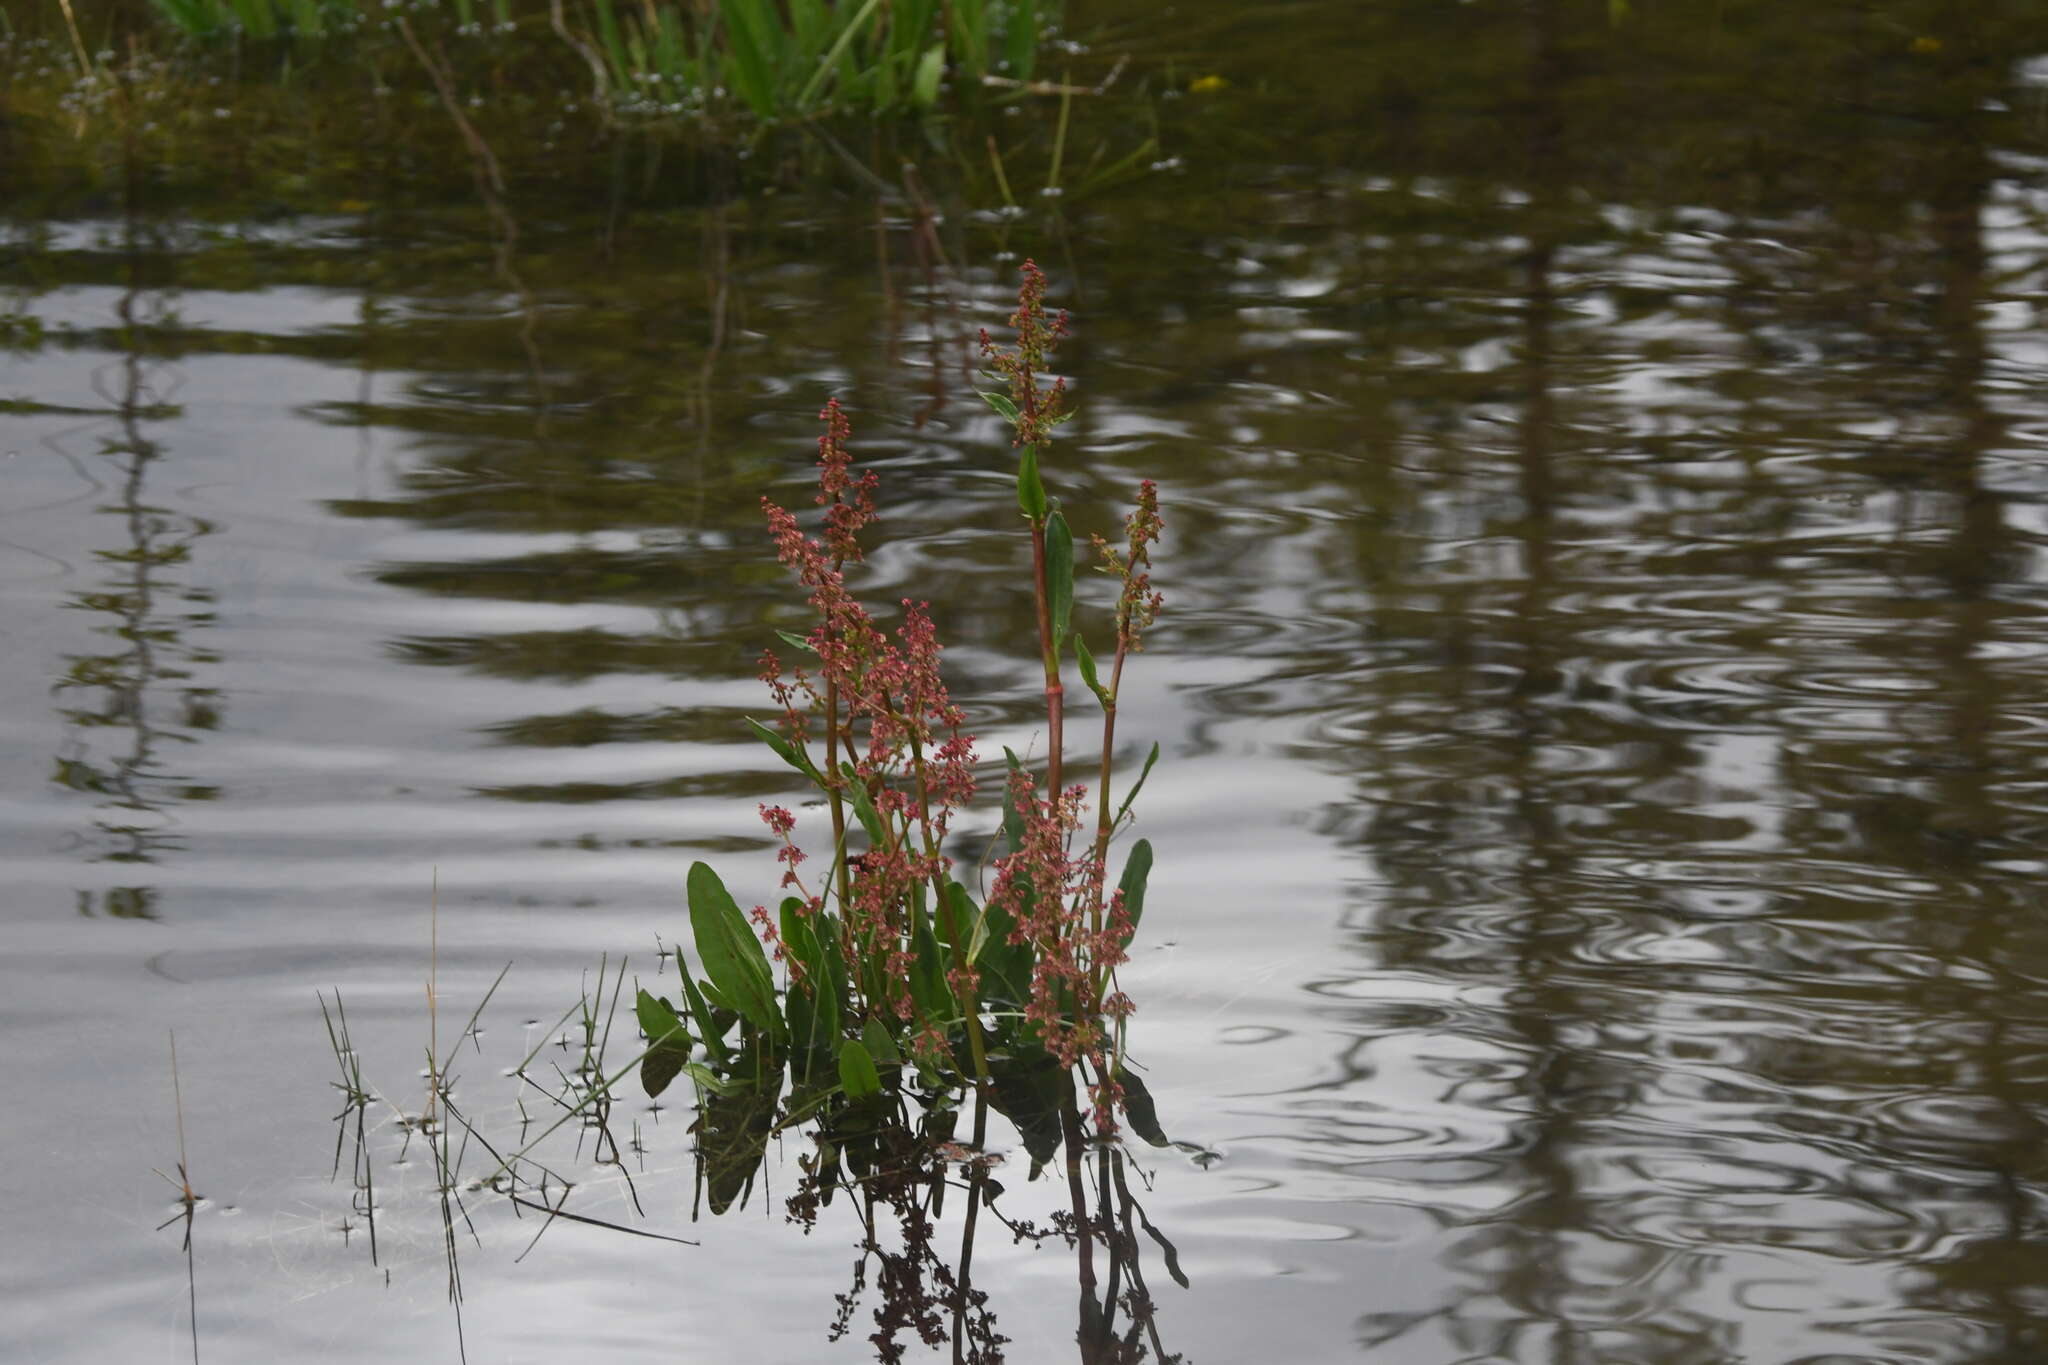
x=1602, y=695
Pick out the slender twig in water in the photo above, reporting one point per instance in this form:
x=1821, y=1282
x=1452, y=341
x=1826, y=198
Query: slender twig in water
x=356, y=1098
x=527, y=1061
x=178, y=1097
x=995, y=161
x=506, y=1162
x=604, y=1107
x=469, y=1029
x=77, y=43
x=189, y=1202
x=435, y=1130
x=433, y=974
x=1059, y=141
x=1058, y=87
x=546, y=1172
x=555, y=1210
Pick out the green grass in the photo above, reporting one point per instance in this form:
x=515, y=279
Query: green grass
x=773, y=60
x=780, y=62
x=259, y=19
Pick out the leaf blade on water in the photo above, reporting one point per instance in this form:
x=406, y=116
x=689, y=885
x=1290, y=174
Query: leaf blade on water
x=857, y=1074
x=731, y=954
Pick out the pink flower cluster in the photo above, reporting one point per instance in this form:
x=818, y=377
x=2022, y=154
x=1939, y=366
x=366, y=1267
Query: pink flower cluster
x=1038, y=410
x=1139, y=602
x=890, y=713
x=1047, y=889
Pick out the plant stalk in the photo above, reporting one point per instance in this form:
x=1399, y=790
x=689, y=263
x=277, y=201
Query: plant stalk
x=1055, y=694
x=942, y=904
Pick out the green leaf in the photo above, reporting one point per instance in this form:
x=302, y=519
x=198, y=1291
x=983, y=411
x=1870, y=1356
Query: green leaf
x=924, y=86
x=1020, y=44
x=1140, y=1110
x=910, y=21
x=1030, y=492
x=812, y=1004
x=711, y=1080
x=864, y=807
x=1005, y=967
x=857, y=1074
x=795, y=641
x=731, y=953
x=707, y=1025
x=750, y=45
x=1137, y=867
x=874, y=1035
x=967, y=920
x=809, y=21
x=970, y=33
x=1005, y=409
x=929, y=990
x=1087, y=662
x=789, y=753
x=1059, y=575
x=885, y=94
x=657, y=1017
x=668, y=1043
x=832, y=55
x=1132, y=795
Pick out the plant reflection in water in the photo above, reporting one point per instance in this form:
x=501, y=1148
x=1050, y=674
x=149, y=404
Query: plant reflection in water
x=901, y=1161
x=140, y=603
x=896, y=1165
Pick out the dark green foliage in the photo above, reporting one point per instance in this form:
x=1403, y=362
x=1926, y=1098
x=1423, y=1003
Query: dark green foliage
x=776, y=60
x=668, y=1043
x=732, y=955
x=1136, y=868
x=1059, y=574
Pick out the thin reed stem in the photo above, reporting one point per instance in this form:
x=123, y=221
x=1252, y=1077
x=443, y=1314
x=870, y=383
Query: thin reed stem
x=178, y=1098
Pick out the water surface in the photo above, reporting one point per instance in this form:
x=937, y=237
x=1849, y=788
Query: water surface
x=1603, y=690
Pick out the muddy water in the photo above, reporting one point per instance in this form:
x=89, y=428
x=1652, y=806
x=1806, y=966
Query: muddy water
x=1603, y=694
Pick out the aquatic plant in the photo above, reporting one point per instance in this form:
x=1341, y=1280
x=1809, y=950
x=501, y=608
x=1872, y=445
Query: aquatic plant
x=809, y=56
x=890, y=1005
x=259, y=19
x=895, y=975
x=774, y=60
